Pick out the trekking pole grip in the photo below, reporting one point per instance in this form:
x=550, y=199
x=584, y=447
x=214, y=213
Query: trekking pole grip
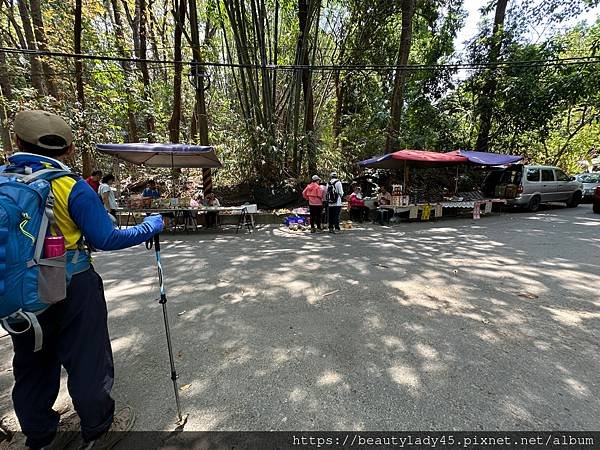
x=157, y=242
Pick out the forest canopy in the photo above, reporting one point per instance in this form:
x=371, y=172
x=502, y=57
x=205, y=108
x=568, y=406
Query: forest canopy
x=284, y=89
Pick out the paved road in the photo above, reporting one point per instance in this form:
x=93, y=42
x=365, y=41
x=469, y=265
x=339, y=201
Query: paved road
x=460, y=324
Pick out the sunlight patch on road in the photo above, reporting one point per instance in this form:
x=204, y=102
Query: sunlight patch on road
x=576, y=388
x=571, y=317
x=405, y=376
x=393, y=342
x=328, y=378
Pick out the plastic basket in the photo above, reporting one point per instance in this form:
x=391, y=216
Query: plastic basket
x=294, y=221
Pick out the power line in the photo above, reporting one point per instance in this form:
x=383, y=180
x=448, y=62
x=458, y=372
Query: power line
x=584, y=60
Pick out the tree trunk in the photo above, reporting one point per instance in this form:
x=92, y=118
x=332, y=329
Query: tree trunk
x=485, y=104
x=42, y=44
x=135, y=26
x=133, y=135
x=86, y=157
x=175, y=122
x=11, y=18
x=5, y=95
x=152, y=26
x=142, y=21
x=77, y=49
x=339, y=101
x=307, y=10
x=200, y=118
x=408, y=10
x=37, y=78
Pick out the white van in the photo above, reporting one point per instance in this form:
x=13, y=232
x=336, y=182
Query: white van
x=529, y=186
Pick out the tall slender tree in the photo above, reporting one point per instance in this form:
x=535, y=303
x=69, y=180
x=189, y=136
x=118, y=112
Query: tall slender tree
x=308, y=14
x=85, y=151
x=142, y=20
x=42, y=44
x=132, y=127
x=408, y=10
x=486, y=103
x=175, y=123
x=5, y=96
x=200, y=117
x=37, y=74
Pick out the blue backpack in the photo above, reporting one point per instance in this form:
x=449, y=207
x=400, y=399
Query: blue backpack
x=29, y=283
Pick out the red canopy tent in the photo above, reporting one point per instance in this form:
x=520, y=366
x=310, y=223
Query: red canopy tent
x=416, y=158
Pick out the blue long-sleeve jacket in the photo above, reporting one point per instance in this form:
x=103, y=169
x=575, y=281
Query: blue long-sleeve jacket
x=79, y=211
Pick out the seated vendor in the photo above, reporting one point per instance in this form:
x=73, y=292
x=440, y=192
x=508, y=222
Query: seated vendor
x=384, y=198
x=358, y=210
x=211, y=216
x=151, y=190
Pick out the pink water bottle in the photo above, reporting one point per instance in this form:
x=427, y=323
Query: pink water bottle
x=54, y=246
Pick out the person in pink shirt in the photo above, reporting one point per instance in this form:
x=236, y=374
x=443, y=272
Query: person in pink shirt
x=358, y=210
x=314, y=194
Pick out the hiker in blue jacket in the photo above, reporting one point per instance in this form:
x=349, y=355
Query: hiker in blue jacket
x=75, y=332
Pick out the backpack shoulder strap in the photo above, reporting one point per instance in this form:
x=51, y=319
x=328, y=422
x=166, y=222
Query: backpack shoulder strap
x=46, y=174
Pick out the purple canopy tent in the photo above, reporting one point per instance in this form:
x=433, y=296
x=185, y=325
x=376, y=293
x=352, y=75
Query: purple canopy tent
x=420, y=158
x=487, y=159
x=164, y=155
x=173, y=156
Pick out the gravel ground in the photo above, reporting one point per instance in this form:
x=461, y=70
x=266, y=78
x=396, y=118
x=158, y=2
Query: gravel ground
x=459, y=324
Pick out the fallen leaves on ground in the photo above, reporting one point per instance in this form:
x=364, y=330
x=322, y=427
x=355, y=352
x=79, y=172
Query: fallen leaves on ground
x=528, y=295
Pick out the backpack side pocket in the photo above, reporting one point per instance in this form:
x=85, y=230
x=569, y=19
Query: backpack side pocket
x=52, y=280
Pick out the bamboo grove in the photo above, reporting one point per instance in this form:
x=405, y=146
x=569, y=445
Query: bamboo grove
x=284, y=89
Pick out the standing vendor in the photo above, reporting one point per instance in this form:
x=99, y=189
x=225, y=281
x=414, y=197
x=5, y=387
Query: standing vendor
x=151, y=190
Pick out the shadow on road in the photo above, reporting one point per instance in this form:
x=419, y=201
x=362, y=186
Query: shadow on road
x=490, y=324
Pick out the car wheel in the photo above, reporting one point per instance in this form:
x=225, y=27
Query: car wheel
x=596, y=208
x=575, y=200
x=534, y=204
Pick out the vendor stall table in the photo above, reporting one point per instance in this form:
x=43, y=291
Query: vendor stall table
x=182, y=216
x=478, y=207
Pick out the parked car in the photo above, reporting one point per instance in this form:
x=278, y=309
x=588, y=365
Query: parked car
x=596, y=200
x=590, y=182
x=528, y=186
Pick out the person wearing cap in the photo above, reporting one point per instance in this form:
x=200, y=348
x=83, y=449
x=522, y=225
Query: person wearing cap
x=314, y=194
x=75, y=331
x=335, y=192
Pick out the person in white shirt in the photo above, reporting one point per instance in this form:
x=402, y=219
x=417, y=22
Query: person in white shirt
x=107, y=194
x=211, y=216
x=334, y=195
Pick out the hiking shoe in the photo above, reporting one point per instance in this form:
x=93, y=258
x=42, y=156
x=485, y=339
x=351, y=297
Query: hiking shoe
x=66, y=433
x=122, y=423
x=312, y=230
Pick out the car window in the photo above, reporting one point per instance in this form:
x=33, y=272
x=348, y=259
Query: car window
x=533, y=174
x=547, y=175
x=510, y=176
x=590, y=178
x=561, y=176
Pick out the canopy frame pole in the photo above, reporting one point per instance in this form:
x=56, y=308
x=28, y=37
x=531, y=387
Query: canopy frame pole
x=117, y=170
x=456, y=182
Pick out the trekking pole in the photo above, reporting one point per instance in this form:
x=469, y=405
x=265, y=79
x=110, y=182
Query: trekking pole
x=163, y=302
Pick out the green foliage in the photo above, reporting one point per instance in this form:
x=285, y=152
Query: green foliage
x=547, y=112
